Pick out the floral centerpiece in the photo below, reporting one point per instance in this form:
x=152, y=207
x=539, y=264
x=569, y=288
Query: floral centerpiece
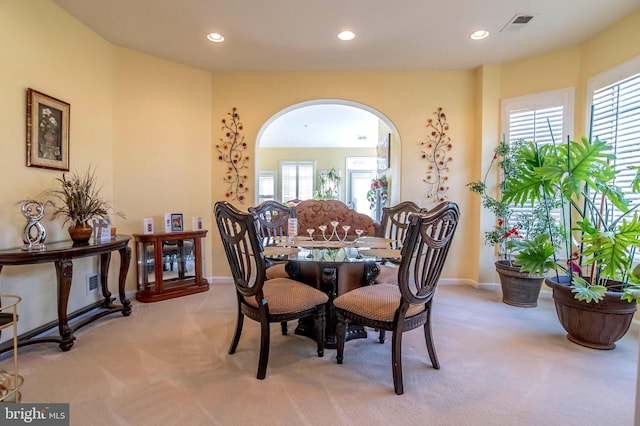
x=378, y=186
x=78, y=201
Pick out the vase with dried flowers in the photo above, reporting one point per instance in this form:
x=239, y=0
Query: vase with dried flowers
x=78, y=200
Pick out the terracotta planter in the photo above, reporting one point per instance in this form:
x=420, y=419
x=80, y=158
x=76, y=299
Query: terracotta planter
x=594, y=325
x=80, y=232
x=518, y=288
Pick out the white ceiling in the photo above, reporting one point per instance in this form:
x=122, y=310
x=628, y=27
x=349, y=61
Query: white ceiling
x=299, y=35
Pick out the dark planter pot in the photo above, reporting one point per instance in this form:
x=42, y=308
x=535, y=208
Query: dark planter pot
x=518, y=288
x=594, y=325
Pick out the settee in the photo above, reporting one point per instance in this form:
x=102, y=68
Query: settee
x=313, y=213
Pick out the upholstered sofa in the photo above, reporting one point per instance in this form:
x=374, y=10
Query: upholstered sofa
x=313, y=213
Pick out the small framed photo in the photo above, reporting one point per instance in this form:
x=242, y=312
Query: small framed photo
x=47, y=131
x=177, y=223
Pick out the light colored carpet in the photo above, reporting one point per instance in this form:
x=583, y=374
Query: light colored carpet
x=167, y=364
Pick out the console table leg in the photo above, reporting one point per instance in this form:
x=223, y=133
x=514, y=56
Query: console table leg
x=64, y=272
x=125, y=260
x=105, y=260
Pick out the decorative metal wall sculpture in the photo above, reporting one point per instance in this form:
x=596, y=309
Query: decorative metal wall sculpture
x=436, y=151
x=34, y=232
x=231, y=151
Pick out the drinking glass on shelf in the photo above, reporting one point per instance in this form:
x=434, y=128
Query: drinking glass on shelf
x=310, y=232
x=359, y=232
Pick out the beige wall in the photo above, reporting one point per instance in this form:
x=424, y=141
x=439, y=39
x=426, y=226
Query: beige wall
x=325, y=159
x=407, y=99
x=161, y=143
x=149, y=127
x=45, y=49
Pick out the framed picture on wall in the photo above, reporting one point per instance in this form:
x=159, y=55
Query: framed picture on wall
x=177, y=222
x=47, y=131
x=383, y=152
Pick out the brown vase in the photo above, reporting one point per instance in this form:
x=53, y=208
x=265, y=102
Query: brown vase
x=80, y=232
x=518, y=288
x=594, y=325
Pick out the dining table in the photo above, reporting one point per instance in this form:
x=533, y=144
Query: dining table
x=334, y=267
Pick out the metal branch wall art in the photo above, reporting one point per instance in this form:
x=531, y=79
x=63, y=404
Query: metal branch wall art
x=231, y=150
x=436, y=151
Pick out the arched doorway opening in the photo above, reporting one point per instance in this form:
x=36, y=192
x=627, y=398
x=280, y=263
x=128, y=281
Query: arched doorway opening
x=299, y=146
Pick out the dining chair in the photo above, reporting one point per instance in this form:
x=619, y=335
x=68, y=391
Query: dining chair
x=408, y=305
x=272, y=220
x=265, y=301
x=393, y=225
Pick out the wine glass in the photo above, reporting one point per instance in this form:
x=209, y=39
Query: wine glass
x=310, y=232
x=359, y=232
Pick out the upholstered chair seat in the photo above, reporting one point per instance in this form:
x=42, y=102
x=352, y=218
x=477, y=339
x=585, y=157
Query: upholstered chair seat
x=286, y=296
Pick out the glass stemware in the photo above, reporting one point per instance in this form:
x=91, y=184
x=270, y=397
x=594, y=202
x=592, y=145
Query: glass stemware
x=323, y=228
x=359, y=232
x=310, y=232
x=346, y=230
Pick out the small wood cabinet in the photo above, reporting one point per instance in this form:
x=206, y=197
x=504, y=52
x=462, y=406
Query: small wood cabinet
x=169, y=265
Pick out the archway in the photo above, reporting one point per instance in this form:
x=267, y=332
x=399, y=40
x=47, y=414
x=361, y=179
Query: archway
x=304, y=125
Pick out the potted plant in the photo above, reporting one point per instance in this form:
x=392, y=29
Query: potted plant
x=594, y=286
x=77, y=200
x=328, y=186
x=519, y=288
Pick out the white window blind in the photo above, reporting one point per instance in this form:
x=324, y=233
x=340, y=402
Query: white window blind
x=266, y=185
x=541, y=118
x=296, y=179
x=616, y=120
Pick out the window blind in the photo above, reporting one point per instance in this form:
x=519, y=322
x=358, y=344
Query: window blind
x=616, y=120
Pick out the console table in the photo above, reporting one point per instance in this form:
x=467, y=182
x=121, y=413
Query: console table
x=61, y=254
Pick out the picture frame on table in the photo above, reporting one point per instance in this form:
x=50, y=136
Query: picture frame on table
x=47, y=131
x=177, y=222
x=383, y=153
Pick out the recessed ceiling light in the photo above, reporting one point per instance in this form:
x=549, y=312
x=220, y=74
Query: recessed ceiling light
x=215, y=37
x=479, y=35
x=346, y=35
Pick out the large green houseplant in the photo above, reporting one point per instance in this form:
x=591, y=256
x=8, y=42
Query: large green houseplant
x=602, y=235
x=519, y=288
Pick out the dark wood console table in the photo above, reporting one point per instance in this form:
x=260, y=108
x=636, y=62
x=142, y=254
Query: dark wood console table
x=62, y=253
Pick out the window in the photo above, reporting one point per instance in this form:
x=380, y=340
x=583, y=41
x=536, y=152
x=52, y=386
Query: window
x=614, y=100
x=266, y=185
x=296, y=180
x=542, y=118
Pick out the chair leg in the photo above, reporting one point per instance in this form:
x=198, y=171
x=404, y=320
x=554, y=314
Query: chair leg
x=283, y=326
x=238, y=332
x=341, y=332
x=381, y=336
x=396, y=361
x=265, y=337
x=428, y=337
x=319, y=323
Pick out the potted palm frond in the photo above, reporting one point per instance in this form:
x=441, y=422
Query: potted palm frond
x=519, y=288
x=595, y=287
x=78, y=200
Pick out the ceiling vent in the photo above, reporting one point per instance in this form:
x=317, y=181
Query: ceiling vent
x=517, y=22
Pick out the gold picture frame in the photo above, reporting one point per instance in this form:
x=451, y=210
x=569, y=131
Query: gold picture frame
x=47, y=131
